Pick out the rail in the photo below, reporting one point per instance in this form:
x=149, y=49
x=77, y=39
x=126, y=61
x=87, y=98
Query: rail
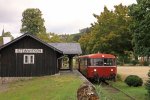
x=117, y=89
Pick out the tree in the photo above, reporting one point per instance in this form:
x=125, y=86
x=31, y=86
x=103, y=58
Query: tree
x=7, y=34
x=140, y=27
x=45, y=37
x=74, y=37
x=148, y=85
x=56, y=38
x=110, y=33
x=50, y=37
x=32, y=22
x=85, y=43
x=1, y=40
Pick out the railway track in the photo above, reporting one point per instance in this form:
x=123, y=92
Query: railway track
x=108, y=87
x=112, y=90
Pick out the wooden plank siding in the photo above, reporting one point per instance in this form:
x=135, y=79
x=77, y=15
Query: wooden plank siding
x=11, y=63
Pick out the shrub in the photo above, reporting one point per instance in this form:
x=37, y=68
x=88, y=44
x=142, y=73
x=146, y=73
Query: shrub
x=134, y=62
x=145, y=63
x=134, y=80
x=147, y=84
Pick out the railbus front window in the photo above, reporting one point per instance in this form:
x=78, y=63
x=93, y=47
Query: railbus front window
x=102, y=62
x=109, y=62
x=97, y=62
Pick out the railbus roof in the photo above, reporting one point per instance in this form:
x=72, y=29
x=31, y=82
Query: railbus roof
x=98, y=55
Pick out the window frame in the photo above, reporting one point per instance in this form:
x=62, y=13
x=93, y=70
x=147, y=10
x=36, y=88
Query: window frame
x=28, y=59
x=105, y=62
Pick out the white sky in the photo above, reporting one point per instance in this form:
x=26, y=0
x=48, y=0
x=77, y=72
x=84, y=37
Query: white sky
x=61, y=16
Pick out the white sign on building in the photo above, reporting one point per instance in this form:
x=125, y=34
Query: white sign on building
x=28, y=50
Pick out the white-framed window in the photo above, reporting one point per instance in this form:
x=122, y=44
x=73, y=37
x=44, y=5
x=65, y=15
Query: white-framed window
x=28, y=59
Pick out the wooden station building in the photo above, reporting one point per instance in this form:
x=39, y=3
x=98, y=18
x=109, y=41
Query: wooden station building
x=27, y=55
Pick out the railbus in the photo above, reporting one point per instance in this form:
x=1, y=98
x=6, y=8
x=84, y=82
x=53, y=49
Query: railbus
x=98, y=66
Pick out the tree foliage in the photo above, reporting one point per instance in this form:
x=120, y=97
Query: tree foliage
x=110, y=33
x=140, y=27
x=32, y=22
x=50, y=37
x=7, y=34
x=1, y=40
x=148, y=85
x=74, y=37
x=85, y=43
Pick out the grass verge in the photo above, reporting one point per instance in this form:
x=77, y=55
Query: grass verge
x=139, y=93
x=61, y=87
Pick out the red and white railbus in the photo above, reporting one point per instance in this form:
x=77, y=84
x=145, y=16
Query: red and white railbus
x=99, y=66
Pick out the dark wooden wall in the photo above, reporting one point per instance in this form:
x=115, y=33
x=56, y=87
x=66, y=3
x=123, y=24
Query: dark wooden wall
x=11, y=63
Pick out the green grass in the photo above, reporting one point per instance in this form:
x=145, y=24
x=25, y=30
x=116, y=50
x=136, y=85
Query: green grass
x=106, y=95
x=137, y=92
x=61, y=87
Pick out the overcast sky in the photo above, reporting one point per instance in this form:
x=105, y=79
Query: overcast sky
x=61, y=16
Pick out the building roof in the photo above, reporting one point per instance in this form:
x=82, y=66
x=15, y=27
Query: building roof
x=68, y=48
x=29, y=35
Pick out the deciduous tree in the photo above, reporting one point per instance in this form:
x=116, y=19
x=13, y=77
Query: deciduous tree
x=7, y=34
x=32, y=22
x=110, y=33
x=50, y=37
x=140, y=27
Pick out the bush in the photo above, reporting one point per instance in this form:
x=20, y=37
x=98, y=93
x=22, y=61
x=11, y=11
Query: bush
x=134, y=80
x=134, y=62
x=146, y=63
x=147, y=84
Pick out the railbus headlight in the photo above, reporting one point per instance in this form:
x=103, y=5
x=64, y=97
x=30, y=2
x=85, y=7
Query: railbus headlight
x=112, y=70
x=95, y=70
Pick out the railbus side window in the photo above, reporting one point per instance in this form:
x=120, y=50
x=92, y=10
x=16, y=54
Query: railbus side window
x=81, y=62
x=89, y=62
x=84, y=62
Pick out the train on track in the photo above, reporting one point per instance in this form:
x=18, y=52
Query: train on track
x=98, y=66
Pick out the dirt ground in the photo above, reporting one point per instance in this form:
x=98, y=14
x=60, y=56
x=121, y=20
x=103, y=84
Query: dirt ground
x=141, y=71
